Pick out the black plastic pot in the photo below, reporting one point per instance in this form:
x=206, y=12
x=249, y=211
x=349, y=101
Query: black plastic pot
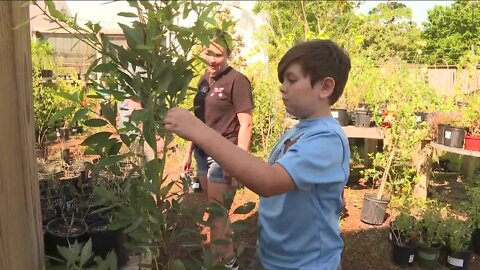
x=476, y=241
x=441, y=133
x=46, y=73
x=373, y=209
x=443, y=164
x=459, y=260
x=341, y=115
x=362, y=118
x=64, y=232
x=105, y=240
x=403, y=255
x=454, y=136
x=95, y=216
x=428, y=257
x=421, y=116
x=48, y=214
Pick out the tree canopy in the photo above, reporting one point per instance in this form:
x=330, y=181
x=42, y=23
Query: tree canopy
x=387, y=31
x=451, y=31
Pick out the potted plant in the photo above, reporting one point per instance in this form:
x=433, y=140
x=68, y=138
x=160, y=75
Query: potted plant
x=458, y=242
x=473, y=210
x=451, y=129
x=375, y=204
x=430, y=234
x=472, y=138
x=402, y=231
x=64, y=231
x=158, y=75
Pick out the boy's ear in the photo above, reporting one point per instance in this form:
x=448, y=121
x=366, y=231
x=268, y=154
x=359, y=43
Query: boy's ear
x=326, y=87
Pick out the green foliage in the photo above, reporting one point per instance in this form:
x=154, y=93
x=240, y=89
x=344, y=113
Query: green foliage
x=78, y=256
x=46, y=100
x=395, y=90
x=403, y=228
x=451, y=31
x=472, y=206
x=388, y=31
x=269, y=112
x=430, y=227
x=291, y=21
x=155, y=69
x=458, y=234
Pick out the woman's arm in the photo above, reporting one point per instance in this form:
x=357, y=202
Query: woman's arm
x=245, y=132
x=187, y=161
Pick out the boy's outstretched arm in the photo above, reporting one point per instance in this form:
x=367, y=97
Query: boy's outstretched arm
x=262, y=178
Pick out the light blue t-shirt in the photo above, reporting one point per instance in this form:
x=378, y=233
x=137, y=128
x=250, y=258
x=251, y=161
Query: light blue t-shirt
x=300, y=229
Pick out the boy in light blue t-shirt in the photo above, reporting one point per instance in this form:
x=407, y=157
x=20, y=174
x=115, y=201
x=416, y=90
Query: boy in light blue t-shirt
x=301, y=185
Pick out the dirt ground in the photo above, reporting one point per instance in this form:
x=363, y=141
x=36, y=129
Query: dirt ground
x=366, y=246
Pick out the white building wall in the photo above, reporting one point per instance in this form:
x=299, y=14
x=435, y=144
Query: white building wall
x=106, y=14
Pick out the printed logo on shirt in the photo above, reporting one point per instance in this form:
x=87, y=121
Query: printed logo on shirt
x=204, y=89
x=281, y=150
x=219, y=91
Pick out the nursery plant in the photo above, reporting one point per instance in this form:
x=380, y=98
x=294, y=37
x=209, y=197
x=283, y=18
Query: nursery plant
x=156, y=70
x=403, y=229
x=430, y=228
x=458, y=234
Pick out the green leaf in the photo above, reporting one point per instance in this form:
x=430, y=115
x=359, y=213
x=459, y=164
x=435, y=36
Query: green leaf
x=79, y=115
x=105, y=67
x=107, y=161
x=224, y=242
x=95, y=122
x=86, y=253
x=60, y=114
x=66, y=253
x=134, y=226
x=67, y=96
x=127, y=14
x=93, y=65
x=115, y=148
x=239, y=226
x=164, y=190
x=245, y=209
x=138, y=115
x=134, y=36
x=96, y=138
x=176, y=265
x=125, y=139
x=52, y=10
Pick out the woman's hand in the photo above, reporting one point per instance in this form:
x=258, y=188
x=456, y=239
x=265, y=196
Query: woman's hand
x=187, y=163
x=182, y=122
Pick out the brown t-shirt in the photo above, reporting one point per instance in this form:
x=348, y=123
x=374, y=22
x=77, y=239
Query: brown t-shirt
x=220, y=98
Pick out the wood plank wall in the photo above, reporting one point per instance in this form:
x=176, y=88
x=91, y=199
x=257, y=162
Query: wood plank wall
x=21, y=240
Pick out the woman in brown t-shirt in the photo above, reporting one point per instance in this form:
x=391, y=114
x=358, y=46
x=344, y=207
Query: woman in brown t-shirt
x=224, y=102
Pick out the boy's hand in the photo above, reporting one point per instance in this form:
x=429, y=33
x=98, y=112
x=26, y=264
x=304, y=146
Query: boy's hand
x=182, y=122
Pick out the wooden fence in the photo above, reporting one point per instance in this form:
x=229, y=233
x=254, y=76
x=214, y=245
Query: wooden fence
x=446, y=81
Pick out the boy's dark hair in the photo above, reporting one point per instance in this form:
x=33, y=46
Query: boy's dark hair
x=319, y=59
x=223, y=39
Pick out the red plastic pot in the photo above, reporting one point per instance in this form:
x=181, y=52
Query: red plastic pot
x=472, y=143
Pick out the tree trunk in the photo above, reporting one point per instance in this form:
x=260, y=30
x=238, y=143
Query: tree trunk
x=21, y=241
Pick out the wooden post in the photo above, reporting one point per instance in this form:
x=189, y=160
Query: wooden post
x=21, y=240
x=422, y=160
x=468, y=167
